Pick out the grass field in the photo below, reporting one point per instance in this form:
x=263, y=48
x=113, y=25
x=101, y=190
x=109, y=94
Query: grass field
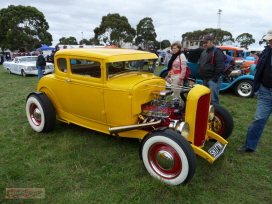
x=77, y=165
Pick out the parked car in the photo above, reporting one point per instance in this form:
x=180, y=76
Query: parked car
x=247, y=55
x=239, y=54
x=26, y=65
x=238, y=80
x=96, y=88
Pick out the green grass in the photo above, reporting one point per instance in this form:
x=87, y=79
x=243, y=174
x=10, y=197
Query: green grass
x=78, y=165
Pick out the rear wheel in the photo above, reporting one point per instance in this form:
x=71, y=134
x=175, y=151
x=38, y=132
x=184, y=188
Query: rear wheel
x=40, y=113
x=222, y=124
x=244, y=88
x=168, y=157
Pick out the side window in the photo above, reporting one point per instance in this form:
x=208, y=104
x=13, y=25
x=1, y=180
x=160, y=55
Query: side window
x=85, y=68
x=62, y=64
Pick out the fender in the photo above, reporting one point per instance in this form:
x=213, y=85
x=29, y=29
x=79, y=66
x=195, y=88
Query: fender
x=36, y=93
x=228, y=85
x=163, y=70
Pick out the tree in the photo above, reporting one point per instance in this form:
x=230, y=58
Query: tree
x=68, y=41
x=23, y=28
x=162, y=45
x=221, y=37
x=145, y=32
x=114, y=30
x=165, y=44
x=245, y=39
x=94, y=41
x=84, y=42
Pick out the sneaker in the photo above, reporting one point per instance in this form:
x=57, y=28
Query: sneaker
x=244, y=149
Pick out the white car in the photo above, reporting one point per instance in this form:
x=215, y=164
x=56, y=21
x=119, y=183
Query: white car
x=26, y=65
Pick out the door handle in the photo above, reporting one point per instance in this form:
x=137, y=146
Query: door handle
x=68, y=80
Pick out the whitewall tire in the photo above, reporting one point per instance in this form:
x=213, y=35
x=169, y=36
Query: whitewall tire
x=40, y=113
x=168, y=157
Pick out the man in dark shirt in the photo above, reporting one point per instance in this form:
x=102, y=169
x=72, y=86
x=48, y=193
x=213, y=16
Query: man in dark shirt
x=40, y=63
x=154, y=61
x=210, y=69
x=139, y=63
x=262, y=86
x=53, y=53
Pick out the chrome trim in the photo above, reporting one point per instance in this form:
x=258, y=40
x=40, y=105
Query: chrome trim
x=113, y=130
x=211, y=112
x=183, y=128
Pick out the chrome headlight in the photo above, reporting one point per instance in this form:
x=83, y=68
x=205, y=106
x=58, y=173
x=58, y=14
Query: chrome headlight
x=183, y=128
x=30, y=68
x=211, y=112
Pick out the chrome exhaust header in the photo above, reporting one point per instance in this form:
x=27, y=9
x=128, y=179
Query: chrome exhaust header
x=114, y=130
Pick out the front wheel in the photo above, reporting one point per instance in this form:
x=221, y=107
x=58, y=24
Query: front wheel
x=164, y=75
x=244, y=88
x=40, y=113
x=222, y=123
x=23, y=73
x=168, y=157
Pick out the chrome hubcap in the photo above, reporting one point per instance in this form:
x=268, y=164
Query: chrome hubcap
x=35, y=114
x=245, y=89
x=165, y=159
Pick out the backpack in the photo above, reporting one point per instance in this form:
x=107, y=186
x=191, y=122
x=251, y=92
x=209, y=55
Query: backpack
x=187, y=74
x=229, y=62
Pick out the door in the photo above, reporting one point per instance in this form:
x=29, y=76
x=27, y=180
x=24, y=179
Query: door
x=86, y=90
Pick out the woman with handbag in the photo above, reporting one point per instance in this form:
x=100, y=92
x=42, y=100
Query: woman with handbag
x=177, y=69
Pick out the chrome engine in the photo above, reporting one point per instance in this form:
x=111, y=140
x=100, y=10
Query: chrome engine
x=166, y=109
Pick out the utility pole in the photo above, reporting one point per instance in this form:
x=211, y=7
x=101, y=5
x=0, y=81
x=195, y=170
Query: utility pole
x=82, y=38
x=219, y=18
x=218, y=25
x=160, y=43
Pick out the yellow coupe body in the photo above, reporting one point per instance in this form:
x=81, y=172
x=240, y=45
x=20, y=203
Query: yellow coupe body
x=101, y=89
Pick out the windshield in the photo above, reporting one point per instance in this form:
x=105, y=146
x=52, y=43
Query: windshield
x=119, y=68
x=247, y=54
x=239, y=54
x=28, y=59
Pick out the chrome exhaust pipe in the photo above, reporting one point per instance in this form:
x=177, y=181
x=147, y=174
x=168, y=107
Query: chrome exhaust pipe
x=114, y=130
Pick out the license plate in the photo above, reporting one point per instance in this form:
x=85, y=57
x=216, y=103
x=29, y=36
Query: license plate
x=217, y=149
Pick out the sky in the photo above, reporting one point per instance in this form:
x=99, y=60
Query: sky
x=171, y=18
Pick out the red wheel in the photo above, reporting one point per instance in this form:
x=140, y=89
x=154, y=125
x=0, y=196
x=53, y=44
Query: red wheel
x=40, y=113
x=222, y=124
x=169, y=157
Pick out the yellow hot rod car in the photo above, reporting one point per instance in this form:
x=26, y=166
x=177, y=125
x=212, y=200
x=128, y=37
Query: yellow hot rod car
x=98, y=88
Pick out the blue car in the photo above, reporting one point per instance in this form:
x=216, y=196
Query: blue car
x=238, y=80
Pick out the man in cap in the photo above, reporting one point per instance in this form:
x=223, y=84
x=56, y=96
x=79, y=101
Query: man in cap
x=53, y=53
x=40, y=63
x=151, y=47
x=210, y=72
x=139, y=63
x=167, y=57
x=262, y=86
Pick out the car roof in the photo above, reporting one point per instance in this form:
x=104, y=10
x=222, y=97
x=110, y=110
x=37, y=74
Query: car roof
x=25, y=56
x=231, y=48
x=108, y=54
